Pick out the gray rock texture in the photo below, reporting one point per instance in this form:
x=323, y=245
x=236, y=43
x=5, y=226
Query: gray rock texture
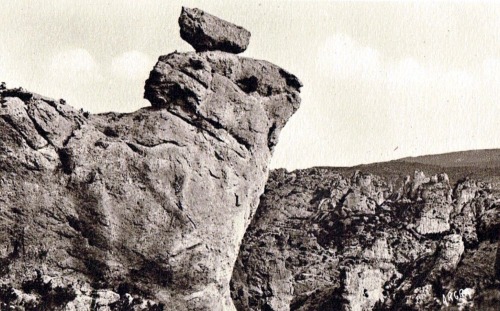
x=138, y=211
x=148, y=210
x=339, y=239
x=205, y=32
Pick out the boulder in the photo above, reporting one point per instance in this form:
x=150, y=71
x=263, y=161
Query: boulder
x=205, y=32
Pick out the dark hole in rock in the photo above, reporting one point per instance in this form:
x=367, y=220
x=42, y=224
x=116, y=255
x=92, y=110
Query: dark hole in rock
x=110, y=132
x=248, y=85
x=66, y=161
x=196, y=64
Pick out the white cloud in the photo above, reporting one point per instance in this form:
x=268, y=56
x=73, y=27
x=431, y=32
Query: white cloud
x=374, y=102
x=407, y=72
x=341, y=57
x=72, y=67
x=131, y=65
x=72, y=74
x=344, y=58
x=491, y=70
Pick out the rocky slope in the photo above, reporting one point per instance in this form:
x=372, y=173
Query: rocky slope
x=146, y=210
x=341, y=239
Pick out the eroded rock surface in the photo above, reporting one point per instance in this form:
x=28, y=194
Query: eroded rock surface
x=326, y=240
x=206, y=32
x=138, y=211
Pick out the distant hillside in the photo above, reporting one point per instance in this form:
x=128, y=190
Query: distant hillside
x=474, y=158
x=476, y=164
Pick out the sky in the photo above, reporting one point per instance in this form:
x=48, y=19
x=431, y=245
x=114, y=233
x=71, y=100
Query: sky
x=382, y=80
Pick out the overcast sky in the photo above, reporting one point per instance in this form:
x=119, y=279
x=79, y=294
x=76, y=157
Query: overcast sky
x=381, y=80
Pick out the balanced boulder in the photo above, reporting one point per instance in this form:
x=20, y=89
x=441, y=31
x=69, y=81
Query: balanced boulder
x=206, y=32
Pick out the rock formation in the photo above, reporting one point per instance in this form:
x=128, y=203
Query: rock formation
x=323, y=239
x=146, y=210
x=206, y=32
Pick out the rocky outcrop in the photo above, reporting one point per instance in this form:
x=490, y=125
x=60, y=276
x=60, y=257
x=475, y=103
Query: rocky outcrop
x=206, y=32
x=243, y=96
x=138, y=211
x=324, y=240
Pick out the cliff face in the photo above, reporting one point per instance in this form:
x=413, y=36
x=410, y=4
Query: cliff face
x=325, y=239
x=147, y=210
x=143, y=210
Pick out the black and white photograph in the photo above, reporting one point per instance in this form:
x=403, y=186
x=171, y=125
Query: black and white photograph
x=282, y=155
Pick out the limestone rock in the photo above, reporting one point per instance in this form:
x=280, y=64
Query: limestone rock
x=145, y=210
x=369, y=242
x=223, y=91
x=363, y=286
x=434, y=218
x=451, y=250
x=206, y=32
